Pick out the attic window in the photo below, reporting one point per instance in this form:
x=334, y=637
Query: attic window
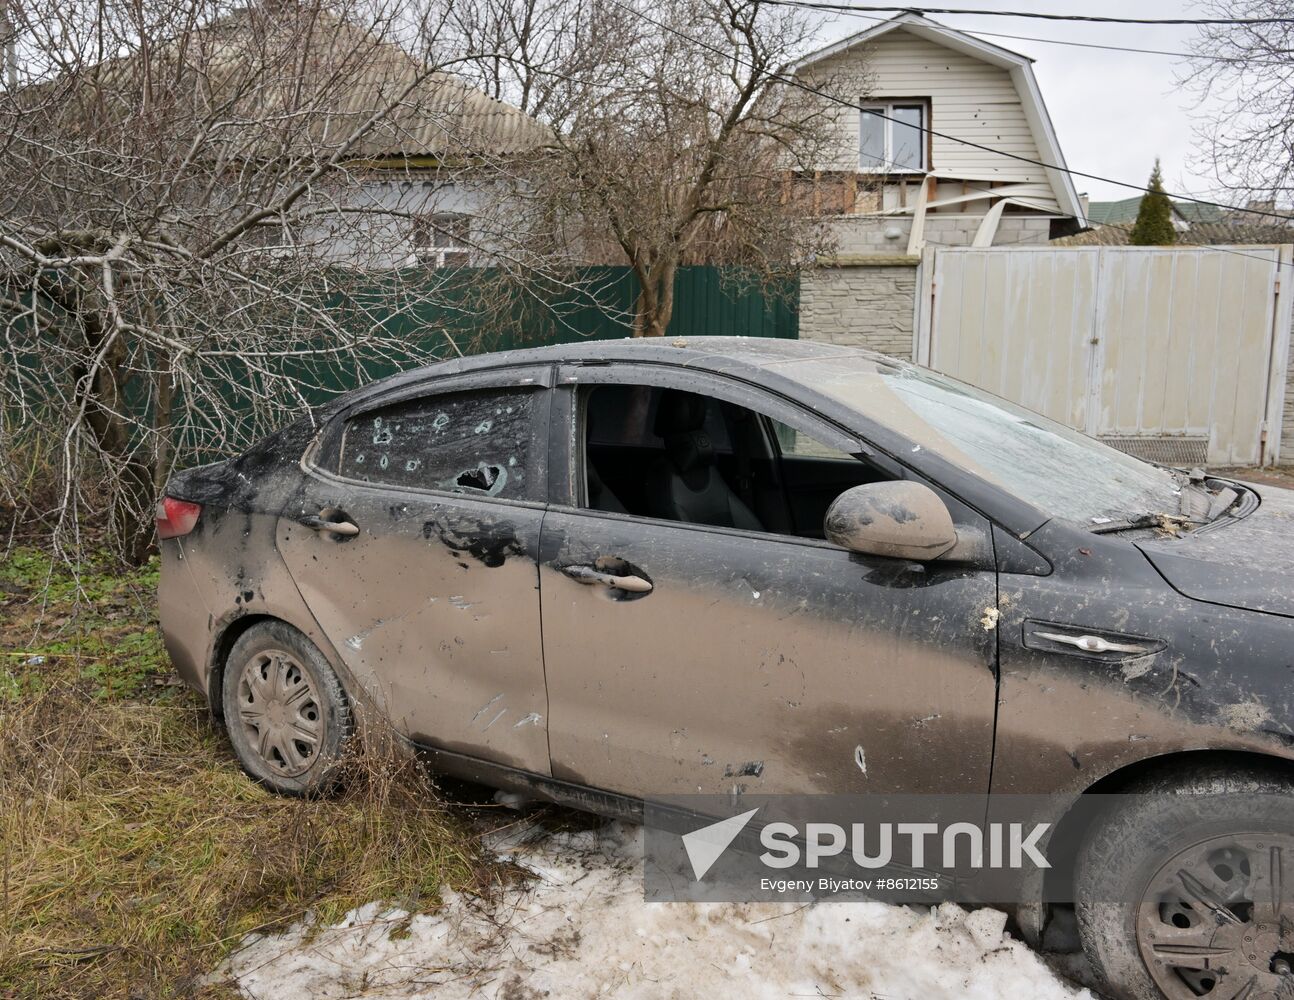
x=892, y=138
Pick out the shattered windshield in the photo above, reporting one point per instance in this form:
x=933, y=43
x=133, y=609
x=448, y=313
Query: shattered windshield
x=1058, y=470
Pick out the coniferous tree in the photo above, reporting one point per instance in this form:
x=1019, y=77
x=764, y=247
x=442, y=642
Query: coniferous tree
x=1154, y=225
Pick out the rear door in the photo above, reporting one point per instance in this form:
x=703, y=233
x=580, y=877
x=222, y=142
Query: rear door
x=757, y=660
x=414, y=542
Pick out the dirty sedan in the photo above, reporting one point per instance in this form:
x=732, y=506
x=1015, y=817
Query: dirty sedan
x=604, y=572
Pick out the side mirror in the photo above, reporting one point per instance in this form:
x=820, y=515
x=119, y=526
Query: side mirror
x=902, y=520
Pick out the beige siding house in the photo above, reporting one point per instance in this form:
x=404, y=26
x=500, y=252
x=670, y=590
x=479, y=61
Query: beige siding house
x=947, y=142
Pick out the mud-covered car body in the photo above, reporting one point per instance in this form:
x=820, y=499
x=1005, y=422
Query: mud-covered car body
x=1038, y=656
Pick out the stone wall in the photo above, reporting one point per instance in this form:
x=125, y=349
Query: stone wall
x=861, y=301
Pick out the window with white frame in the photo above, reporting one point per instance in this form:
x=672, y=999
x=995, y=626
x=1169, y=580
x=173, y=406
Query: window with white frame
x=892, y=137
x=442, y=240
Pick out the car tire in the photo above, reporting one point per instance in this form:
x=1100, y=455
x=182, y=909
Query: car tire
x=286, y=713
x=1151, y=944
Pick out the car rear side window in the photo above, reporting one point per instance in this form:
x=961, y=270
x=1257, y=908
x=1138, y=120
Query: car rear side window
x=476, y=442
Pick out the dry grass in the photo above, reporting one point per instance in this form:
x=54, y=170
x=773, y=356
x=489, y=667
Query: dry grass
x=134, y=851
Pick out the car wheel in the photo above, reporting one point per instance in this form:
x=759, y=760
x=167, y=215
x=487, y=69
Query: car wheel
x=287, y=715
x=1207, y=892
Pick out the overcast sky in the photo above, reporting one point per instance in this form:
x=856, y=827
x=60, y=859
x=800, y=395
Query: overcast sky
x=1114, y=111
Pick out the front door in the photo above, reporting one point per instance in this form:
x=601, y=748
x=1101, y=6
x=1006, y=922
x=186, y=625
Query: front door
x=757, y=661
x=432, y=602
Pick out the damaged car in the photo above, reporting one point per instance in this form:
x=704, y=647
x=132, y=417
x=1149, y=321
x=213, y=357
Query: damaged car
x=602, y=572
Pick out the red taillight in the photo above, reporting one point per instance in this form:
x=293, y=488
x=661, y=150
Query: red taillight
x=176, y=517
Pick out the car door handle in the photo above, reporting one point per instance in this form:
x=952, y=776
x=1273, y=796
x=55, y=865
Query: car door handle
x=1095, y=644
x=590, y=575
x=332, y=527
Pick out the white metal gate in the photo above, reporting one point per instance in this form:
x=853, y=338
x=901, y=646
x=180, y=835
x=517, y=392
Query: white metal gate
x=1177, y=354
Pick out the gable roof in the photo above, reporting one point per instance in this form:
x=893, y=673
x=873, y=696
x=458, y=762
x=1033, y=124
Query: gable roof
x=1020, y=69
x=1099, y=213
x=1125, y=210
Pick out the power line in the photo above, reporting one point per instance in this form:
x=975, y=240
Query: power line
x=1097, y=45
x=926, y=130
x=1122, y=48
x=1079, y=45
x=1037, y=15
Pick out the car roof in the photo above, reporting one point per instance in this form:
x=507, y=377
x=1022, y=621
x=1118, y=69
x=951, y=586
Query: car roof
x=755, y=351
x=719, y=354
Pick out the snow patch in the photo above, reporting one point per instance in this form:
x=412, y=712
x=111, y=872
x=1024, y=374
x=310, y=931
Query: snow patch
x=582, y=929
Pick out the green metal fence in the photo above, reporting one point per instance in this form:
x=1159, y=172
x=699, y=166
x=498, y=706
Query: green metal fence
x=442, y=314
x=708, y=301
x=461, y=314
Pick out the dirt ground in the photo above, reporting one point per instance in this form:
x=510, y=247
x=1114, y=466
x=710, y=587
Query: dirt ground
x=1282, y=476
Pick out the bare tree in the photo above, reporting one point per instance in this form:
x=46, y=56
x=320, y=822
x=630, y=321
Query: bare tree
x=1243, y=75
x=677, y=136
x=533, y=49
x=212, y=210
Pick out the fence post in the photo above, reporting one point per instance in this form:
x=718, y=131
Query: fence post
x=924, y=307
x=1279, y=374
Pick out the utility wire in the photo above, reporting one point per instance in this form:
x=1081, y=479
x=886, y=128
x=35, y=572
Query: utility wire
x=1036, y=15
x=1098, y=45
x=1090, y=45
x=791, y=81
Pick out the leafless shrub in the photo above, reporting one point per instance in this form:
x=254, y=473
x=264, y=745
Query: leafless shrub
x=1243, y=76
x=214, y=211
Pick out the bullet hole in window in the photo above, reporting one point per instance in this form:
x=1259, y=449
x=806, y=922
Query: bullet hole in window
x=482, y=478
x=476, y=441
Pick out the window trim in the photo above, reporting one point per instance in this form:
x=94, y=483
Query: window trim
x=887, y=108
x=779, y=453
